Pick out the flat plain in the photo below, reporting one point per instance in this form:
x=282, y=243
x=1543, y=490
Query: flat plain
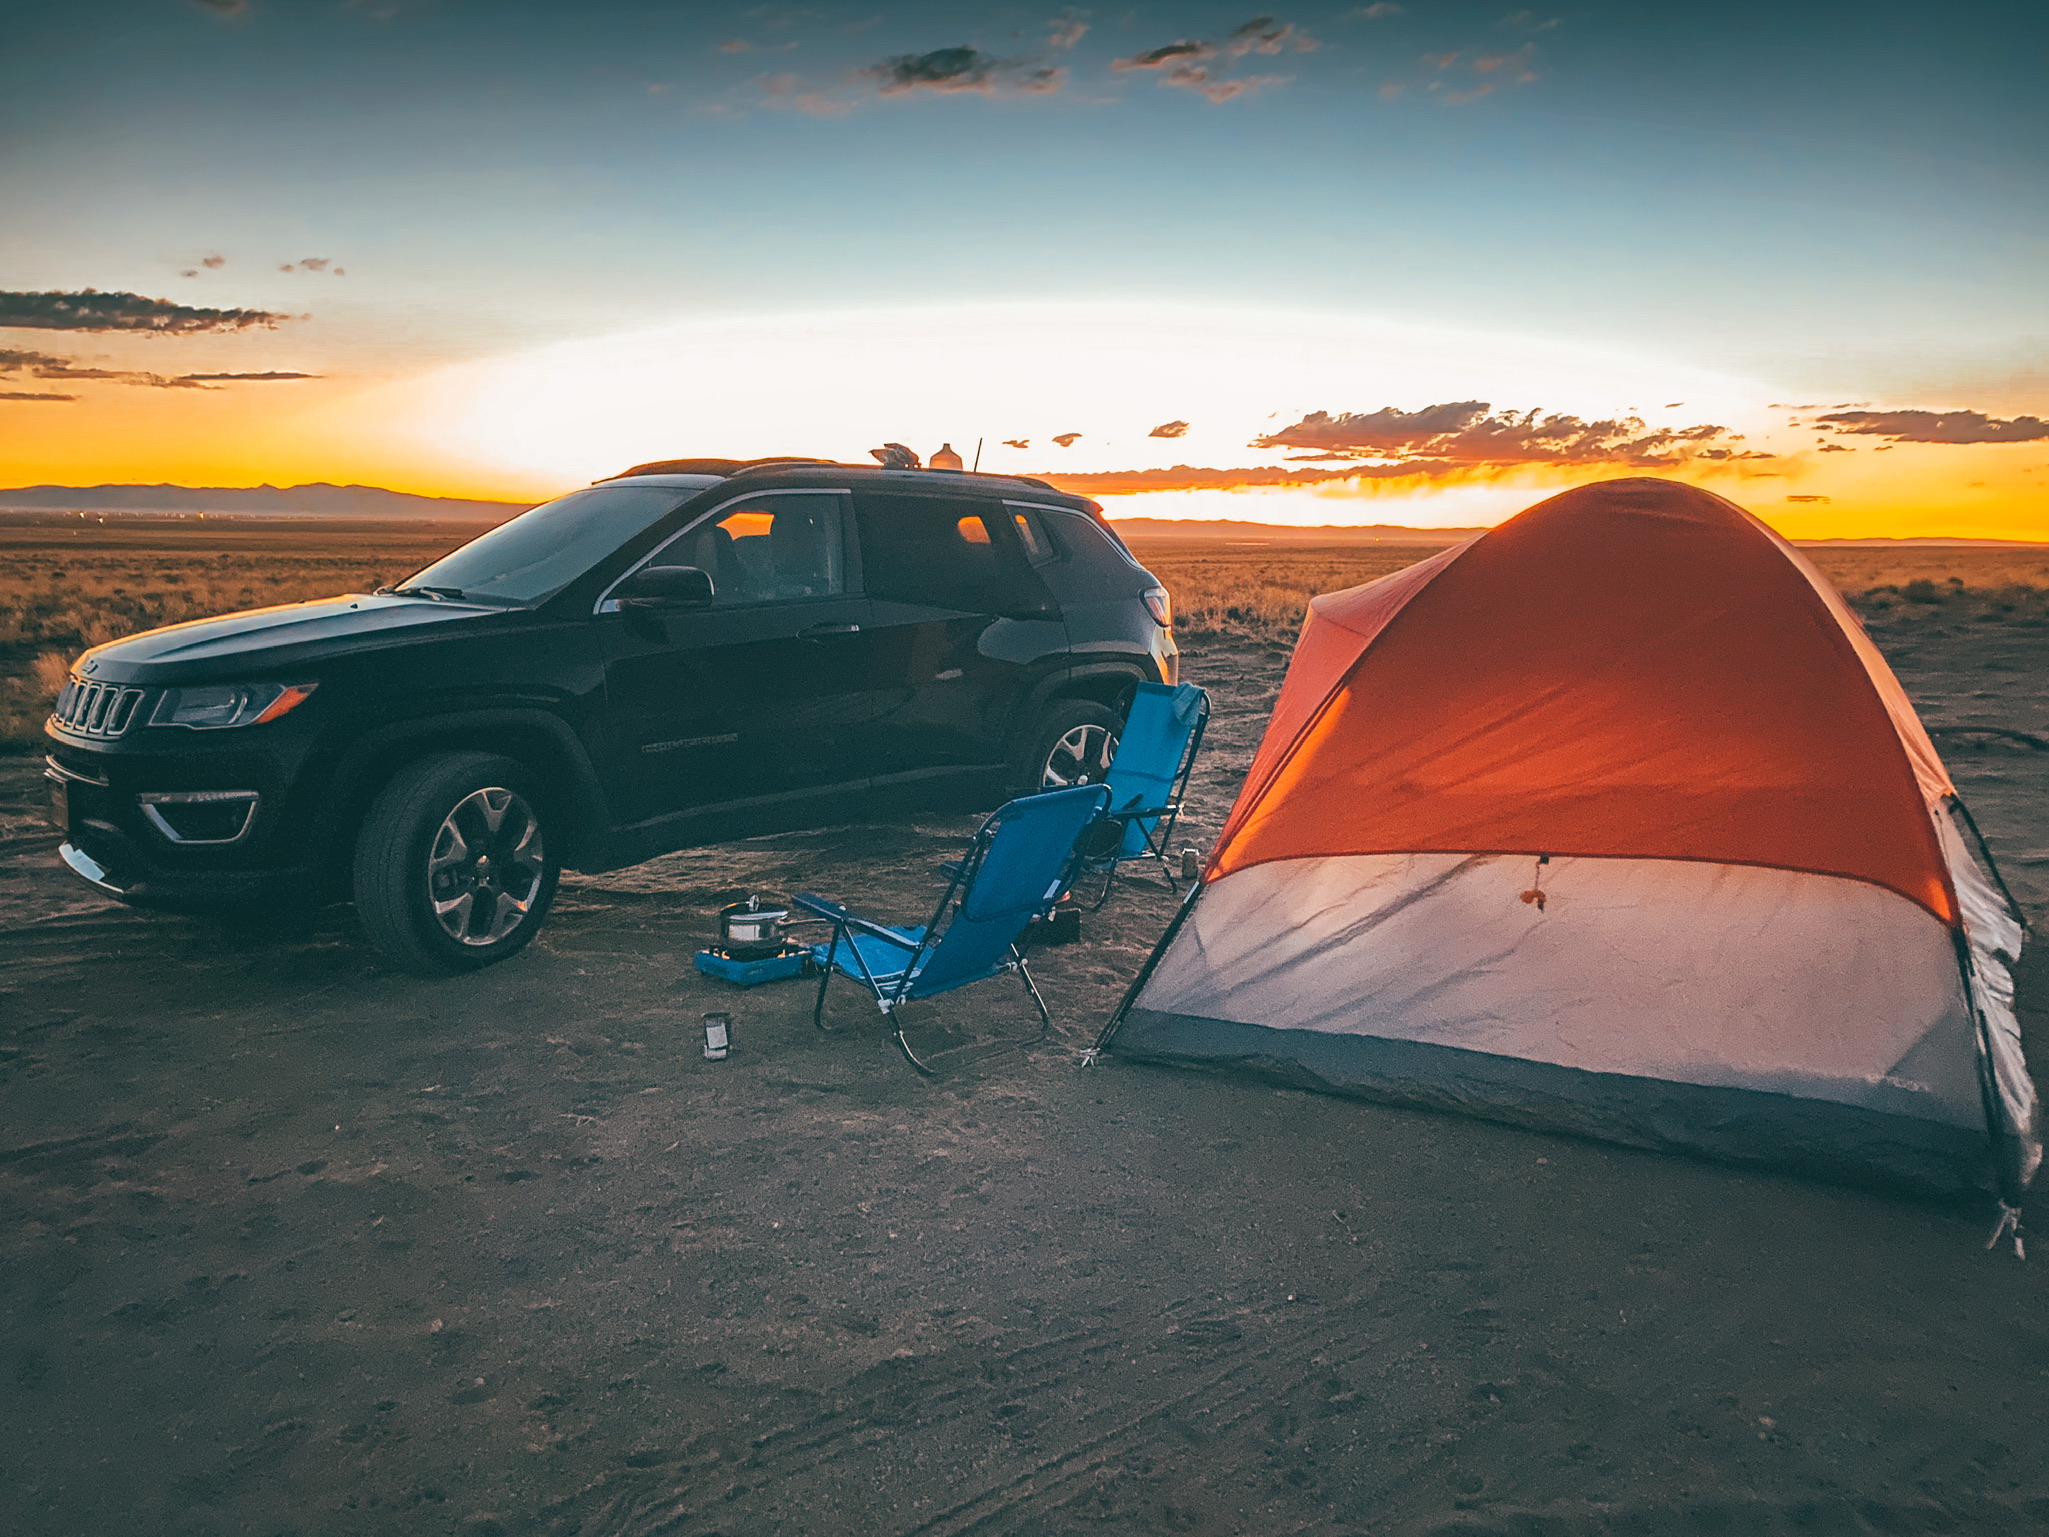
x=291, y=1243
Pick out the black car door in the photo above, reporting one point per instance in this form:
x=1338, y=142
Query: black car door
x=757, y=694
x=959, y=617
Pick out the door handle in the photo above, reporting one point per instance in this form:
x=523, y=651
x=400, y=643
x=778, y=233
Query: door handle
x=820, y=631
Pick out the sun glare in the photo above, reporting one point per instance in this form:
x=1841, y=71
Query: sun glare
x=1103, y=377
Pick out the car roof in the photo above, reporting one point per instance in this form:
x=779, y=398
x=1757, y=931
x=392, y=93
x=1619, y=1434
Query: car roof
x=684, y=482
x=804, y=474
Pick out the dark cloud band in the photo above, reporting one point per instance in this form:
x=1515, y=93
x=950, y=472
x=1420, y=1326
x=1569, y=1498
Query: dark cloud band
x=91, y=310
x=1937, y=426
x=1469, y=432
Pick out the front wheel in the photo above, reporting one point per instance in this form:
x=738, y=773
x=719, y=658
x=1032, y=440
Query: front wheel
x=453, y=871
x=1072, y=744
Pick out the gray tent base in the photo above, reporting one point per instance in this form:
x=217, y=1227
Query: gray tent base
x=1821, y=1139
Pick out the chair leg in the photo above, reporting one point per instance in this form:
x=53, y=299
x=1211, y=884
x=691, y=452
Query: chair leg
x=1025, y=974
x=910, y=1056
x=824, y=981
x=1109, y=880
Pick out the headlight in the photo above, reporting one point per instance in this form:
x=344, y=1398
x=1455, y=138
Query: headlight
x=229, y=704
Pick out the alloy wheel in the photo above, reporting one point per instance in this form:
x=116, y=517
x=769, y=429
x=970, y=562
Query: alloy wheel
x=1081, y=757
x=486, y=866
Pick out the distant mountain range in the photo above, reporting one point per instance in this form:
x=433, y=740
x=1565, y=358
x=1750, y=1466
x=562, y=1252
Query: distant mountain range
x=319, y=500
x=322, y=500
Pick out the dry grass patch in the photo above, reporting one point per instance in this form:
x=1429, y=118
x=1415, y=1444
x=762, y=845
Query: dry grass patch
x=63, y=589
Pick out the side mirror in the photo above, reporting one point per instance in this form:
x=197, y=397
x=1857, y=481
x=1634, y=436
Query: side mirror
x=662, y=588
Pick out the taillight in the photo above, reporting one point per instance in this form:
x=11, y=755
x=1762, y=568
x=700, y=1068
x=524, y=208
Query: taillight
x=1160, y=606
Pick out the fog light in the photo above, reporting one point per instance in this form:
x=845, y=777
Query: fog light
x=200, y=816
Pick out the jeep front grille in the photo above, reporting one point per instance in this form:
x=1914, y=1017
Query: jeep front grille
x=97, y=709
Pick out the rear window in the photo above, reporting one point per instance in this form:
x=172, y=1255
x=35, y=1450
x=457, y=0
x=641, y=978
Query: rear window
x=1090, y=532
x=944, y=552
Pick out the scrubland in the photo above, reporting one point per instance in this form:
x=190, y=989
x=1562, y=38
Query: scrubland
x=66, y=583
x=1261, y=594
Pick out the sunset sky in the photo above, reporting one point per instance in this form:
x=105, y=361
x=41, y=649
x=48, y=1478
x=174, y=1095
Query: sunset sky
x=1415, y=263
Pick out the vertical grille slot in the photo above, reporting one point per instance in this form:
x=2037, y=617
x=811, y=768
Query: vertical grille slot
x=97, y=709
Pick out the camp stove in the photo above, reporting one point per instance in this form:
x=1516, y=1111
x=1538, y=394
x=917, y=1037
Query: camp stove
x=750, y=932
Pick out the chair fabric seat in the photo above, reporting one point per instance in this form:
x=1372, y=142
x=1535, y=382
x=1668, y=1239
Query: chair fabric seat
x=885, y=961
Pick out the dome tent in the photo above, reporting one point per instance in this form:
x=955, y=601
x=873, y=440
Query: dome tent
x=1612, y=820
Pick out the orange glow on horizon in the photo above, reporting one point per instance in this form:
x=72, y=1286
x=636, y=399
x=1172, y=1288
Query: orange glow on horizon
x=525, y=428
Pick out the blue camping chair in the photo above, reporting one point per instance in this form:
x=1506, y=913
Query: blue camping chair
x=1022, y=861
x=1148, y=778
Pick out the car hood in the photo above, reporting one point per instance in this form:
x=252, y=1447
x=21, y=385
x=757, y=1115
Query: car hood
x=261, y=640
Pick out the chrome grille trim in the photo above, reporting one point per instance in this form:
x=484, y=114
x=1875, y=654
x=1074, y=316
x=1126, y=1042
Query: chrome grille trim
x=97, y=709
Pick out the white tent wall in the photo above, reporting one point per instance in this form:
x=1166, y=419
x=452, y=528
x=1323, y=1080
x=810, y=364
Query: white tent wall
x=1994, y=935
x=1754, y=1014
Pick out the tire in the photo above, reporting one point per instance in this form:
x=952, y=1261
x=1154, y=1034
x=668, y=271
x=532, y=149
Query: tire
x=433, y=892
x=1072, y=743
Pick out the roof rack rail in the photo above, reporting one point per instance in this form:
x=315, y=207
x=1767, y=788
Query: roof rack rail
x=727, y=469
x=720, y=467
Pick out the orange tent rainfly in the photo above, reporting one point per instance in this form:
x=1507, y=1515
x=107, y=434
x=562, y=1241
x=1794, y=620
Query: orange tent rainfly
x=1612, y=820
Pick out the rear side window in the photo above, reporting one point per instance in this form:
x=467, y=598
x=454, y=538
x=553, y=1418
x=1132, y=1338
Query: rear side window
x=944, y=552
x=1038, y=547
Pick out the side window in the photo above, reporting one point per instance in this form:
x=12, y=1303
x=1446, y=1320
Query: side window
x=947, y=552
x=768, y=548
x=1031, y=533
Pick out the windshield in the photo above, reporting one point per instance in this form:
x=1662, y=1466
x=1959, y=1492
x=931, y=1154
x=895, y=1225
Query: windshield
x=538, y=553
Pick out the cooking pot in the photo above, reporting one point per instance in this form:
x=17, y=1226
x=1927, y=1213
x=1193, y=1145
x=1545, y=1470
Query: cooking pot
x=750, y=932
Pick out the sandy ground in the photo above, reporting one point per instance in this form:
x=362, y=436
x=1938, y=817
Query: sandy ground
x=293, y=1244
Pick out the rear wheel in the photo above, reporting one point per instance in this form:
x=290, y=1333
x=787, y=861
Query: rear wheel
x=1072, y=744
x=453, y=871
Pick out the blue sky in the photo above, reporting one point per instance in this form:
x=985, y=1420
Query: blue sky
x=1828, y=198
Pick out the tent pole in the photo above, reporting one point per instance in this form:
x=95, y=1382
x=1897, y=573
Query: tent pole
x=1144, y=973
x=2004, y=1164
x=1991, y=865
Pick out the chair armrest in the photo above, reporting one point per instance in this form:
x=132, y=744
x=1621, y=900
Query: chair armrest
x=825, y=908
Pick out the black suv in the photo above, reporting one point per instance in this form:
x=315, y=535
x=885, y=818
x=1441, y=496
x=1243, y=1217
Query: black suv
x=664, y=659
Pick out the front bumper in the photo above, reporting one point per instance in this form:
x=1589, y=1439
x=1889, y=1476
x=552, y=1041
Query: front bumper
x=110, y=841
x=110, y=860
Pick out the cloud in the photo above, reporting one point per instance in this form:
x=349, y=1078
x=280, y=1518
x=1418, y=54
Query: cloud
x=1169, y=430
x=1263, y=34
x=1190, y=63
x=1167, y=54
x=1017, y=442
x=247, y=378
x=43, y=366
x=225, y=7
x=1468, y=432
x=1938, y=426
x=1380, y=10
x=214, y=262
x=1068, y=28
x=1822, y=499
x=91, y=310
x=32, y=395
x=950, y=70
x=1066, y=439
x=65, y=369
